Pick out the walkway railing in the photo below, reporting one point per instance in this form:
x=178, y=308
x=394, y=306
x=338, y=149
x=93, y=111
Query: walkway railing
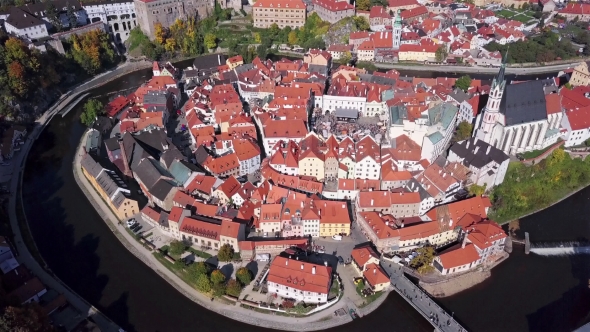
x=420, y=300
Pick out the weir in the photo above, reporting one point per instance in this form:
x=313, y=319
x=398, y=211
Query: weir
x=560, y=248
x=420, y=300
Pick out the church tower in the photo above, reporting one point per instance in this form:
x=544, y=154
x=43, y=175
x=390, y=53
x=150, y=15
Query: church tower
x=491, y=114
x=397, y=31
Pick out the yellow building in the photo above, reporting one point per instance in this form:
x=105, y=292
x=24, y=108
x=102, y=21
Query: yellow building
x=234, y=61
x=334, y=218
x=285, y=13
x=411, y=52
x=311, y=159
x=580, y=75
x=101, y=180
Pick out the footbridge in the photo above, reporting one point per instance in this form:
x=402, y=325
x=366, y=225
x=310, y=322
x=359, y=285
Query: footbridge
x=560, y=248
x=420, y=300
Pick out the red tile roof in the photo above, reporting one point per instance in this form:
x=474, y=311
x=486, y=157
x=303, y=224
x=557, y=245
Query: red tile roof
x=576, y=8
x=230, y=229
x=456, y=257
x=553, y=102
x=299, y=275
x=333, y=5
x=375, y=275
x=362, y=255
x=579, y=118
x=201, y=228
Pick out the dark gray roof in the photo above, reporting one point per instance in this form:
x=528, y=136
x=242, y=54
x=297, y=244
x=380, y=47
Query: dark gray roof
x=170, y=155
x=467, y=150
x=524, y=102
x=90, y=165
x=155, y=97
x=377, y=79
x=39, y=8
x=322, y=70
x=154, y=142
x=459, y=95
x=118, y=199
x=162, y=188
x=201, y=154
x=413, y=185
x=243, y=68
x=107, y=184
x=189, y=73
x=21, y=19
x=112, y=144
x=147, y=172
x=347, y=113
x=208, y=61
x=163, y=220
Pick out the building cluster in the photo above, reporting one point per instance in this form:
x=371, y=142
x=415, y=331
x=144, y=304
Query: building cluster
x=21, y=287
x=415, y=32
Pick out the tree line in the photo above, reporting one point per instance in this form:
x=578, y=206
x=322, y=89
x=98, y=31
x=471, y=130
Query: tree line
x=543, y=48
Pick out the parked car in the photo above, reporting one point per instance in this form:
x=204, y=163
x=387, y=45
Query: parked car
x=337, y=237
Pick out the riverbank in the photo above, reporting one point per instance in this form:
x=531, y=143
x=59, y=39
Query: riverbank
x=476, y=70
x=320, y=321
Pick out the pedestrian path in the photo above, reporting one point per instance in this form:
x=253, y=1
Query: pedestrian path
x=420, y=300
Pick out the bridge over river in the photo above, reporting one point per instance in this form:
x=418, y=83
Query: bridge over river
x=420, y=300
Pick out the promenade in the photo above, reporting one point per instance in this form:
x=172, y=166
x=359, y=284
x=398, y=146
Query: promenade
x=477, y=70
x=18, y=163
x=420, y=300
x=320, y=321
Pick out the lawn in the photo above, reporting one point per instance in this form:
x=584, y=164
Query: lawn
x=369, y=299
x=522, y=18
x=199, y=253
x=535, y=153
x=505, y=13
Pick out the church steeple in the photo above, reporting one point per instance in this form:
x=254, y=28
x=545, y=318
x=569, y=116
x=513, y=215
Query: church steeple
x=499, y=79
x=397, y=31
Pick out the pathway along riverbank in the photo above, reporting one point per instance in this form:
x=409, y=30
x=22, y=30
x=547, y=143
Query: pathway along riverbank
x=319, y=321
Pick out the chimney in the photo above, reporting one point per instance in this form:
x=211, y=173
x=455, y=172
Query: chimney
x=302, y=266
x=313, y=270
x=372, y=202
x=325, y=263
x=476, y=149
x=127, y=170
x=374, y=271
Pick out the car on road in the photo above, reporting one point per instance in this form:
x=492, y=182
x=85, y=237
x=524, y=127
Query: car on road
x=337, y=237
x=131, y=222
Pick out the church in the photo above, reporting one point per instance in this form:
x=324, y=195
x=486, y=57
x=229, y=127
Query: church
x=515, y=117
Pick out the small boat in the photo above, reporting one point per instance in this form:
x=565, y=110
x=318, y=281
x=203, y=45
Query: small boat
x=353, y=314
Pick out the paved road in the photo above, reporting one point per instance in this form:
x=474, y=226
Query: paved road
x=475, y=70
x=420, y=300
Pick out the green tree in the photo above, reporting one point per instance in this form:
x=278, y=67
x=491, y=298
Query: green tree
x=203, y=283
x=464, y=130
x=363, y=5
x=92, y=109
x=423, y=261
x=441, y=53
x=176, y=248
x=225, y=253
x=217, y=277
x=262, y=51
x=463, y=83
x=345, y=58
x=475, y=190
x=218, y=289
x=71, y=14
x=293, y=38
x=196, y=269
x=210, y=41
x=361, y=23
x=53, y=15
x=244, y=275
x=233, y=288
x=273, y=30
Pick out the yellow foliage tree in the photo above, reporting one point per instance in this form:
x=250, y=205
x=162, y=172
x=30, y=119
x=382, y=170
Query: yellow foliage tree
x=170, y=45
x=257, y=38
x=292, y=39
x=160, y=33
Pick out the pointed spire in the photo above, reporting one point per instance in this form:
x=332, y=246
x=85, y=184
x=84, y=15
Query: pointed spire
x=499, y=79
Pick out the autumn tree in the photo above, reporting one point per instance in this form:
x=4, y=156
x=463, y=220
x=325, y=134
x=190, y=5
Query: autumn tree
x=363, y=5
x=203, y=283
x=463, y=132
x=196, y=269
x=475, y=190
x=423, y=261
x=361, y=23
x=28, y=318
x=92, y=109
x=345, y=58
x=217, y=277
x=233, y=288
x=441, y=53
x=210, y=41
x=170, y=45
x=463, y=83
x=218, y=289
x=244, y=275
x=225, y=253
x=160, y=33
x=292, y=39
x=92, y=50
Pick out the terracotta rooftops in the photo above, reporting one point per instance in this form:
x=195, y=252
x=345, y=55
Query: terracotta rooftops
x=299, y=275
x=459, y=256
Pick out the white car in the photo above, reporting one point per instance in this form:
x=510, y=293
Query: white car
x=337, y=237
x=131, y=222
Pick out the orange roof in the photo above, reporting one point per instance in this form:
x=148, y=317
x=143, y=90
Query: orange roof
x=375, y=275
x=205, y=209
x=459, y=256
x=299, y=275
x=285, y=128
x=406, y=149
x=333, y=212
x=183, y=199
x=382, y=226
x=362, y=255
x=553, y=102
x=201, y=183
x=222, y=164
x=230, y=186
x=175, y=214
x=484, y=233
x=270, y=213
x=230, y=228
x=418, y=48
x=245, y=149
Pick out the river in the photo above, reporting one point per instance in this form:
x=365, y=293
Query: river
x=524, y=293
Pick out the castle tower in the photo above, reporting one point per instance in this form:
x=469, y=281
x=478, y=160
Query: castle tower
x=397, y=31
x=491, y=112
